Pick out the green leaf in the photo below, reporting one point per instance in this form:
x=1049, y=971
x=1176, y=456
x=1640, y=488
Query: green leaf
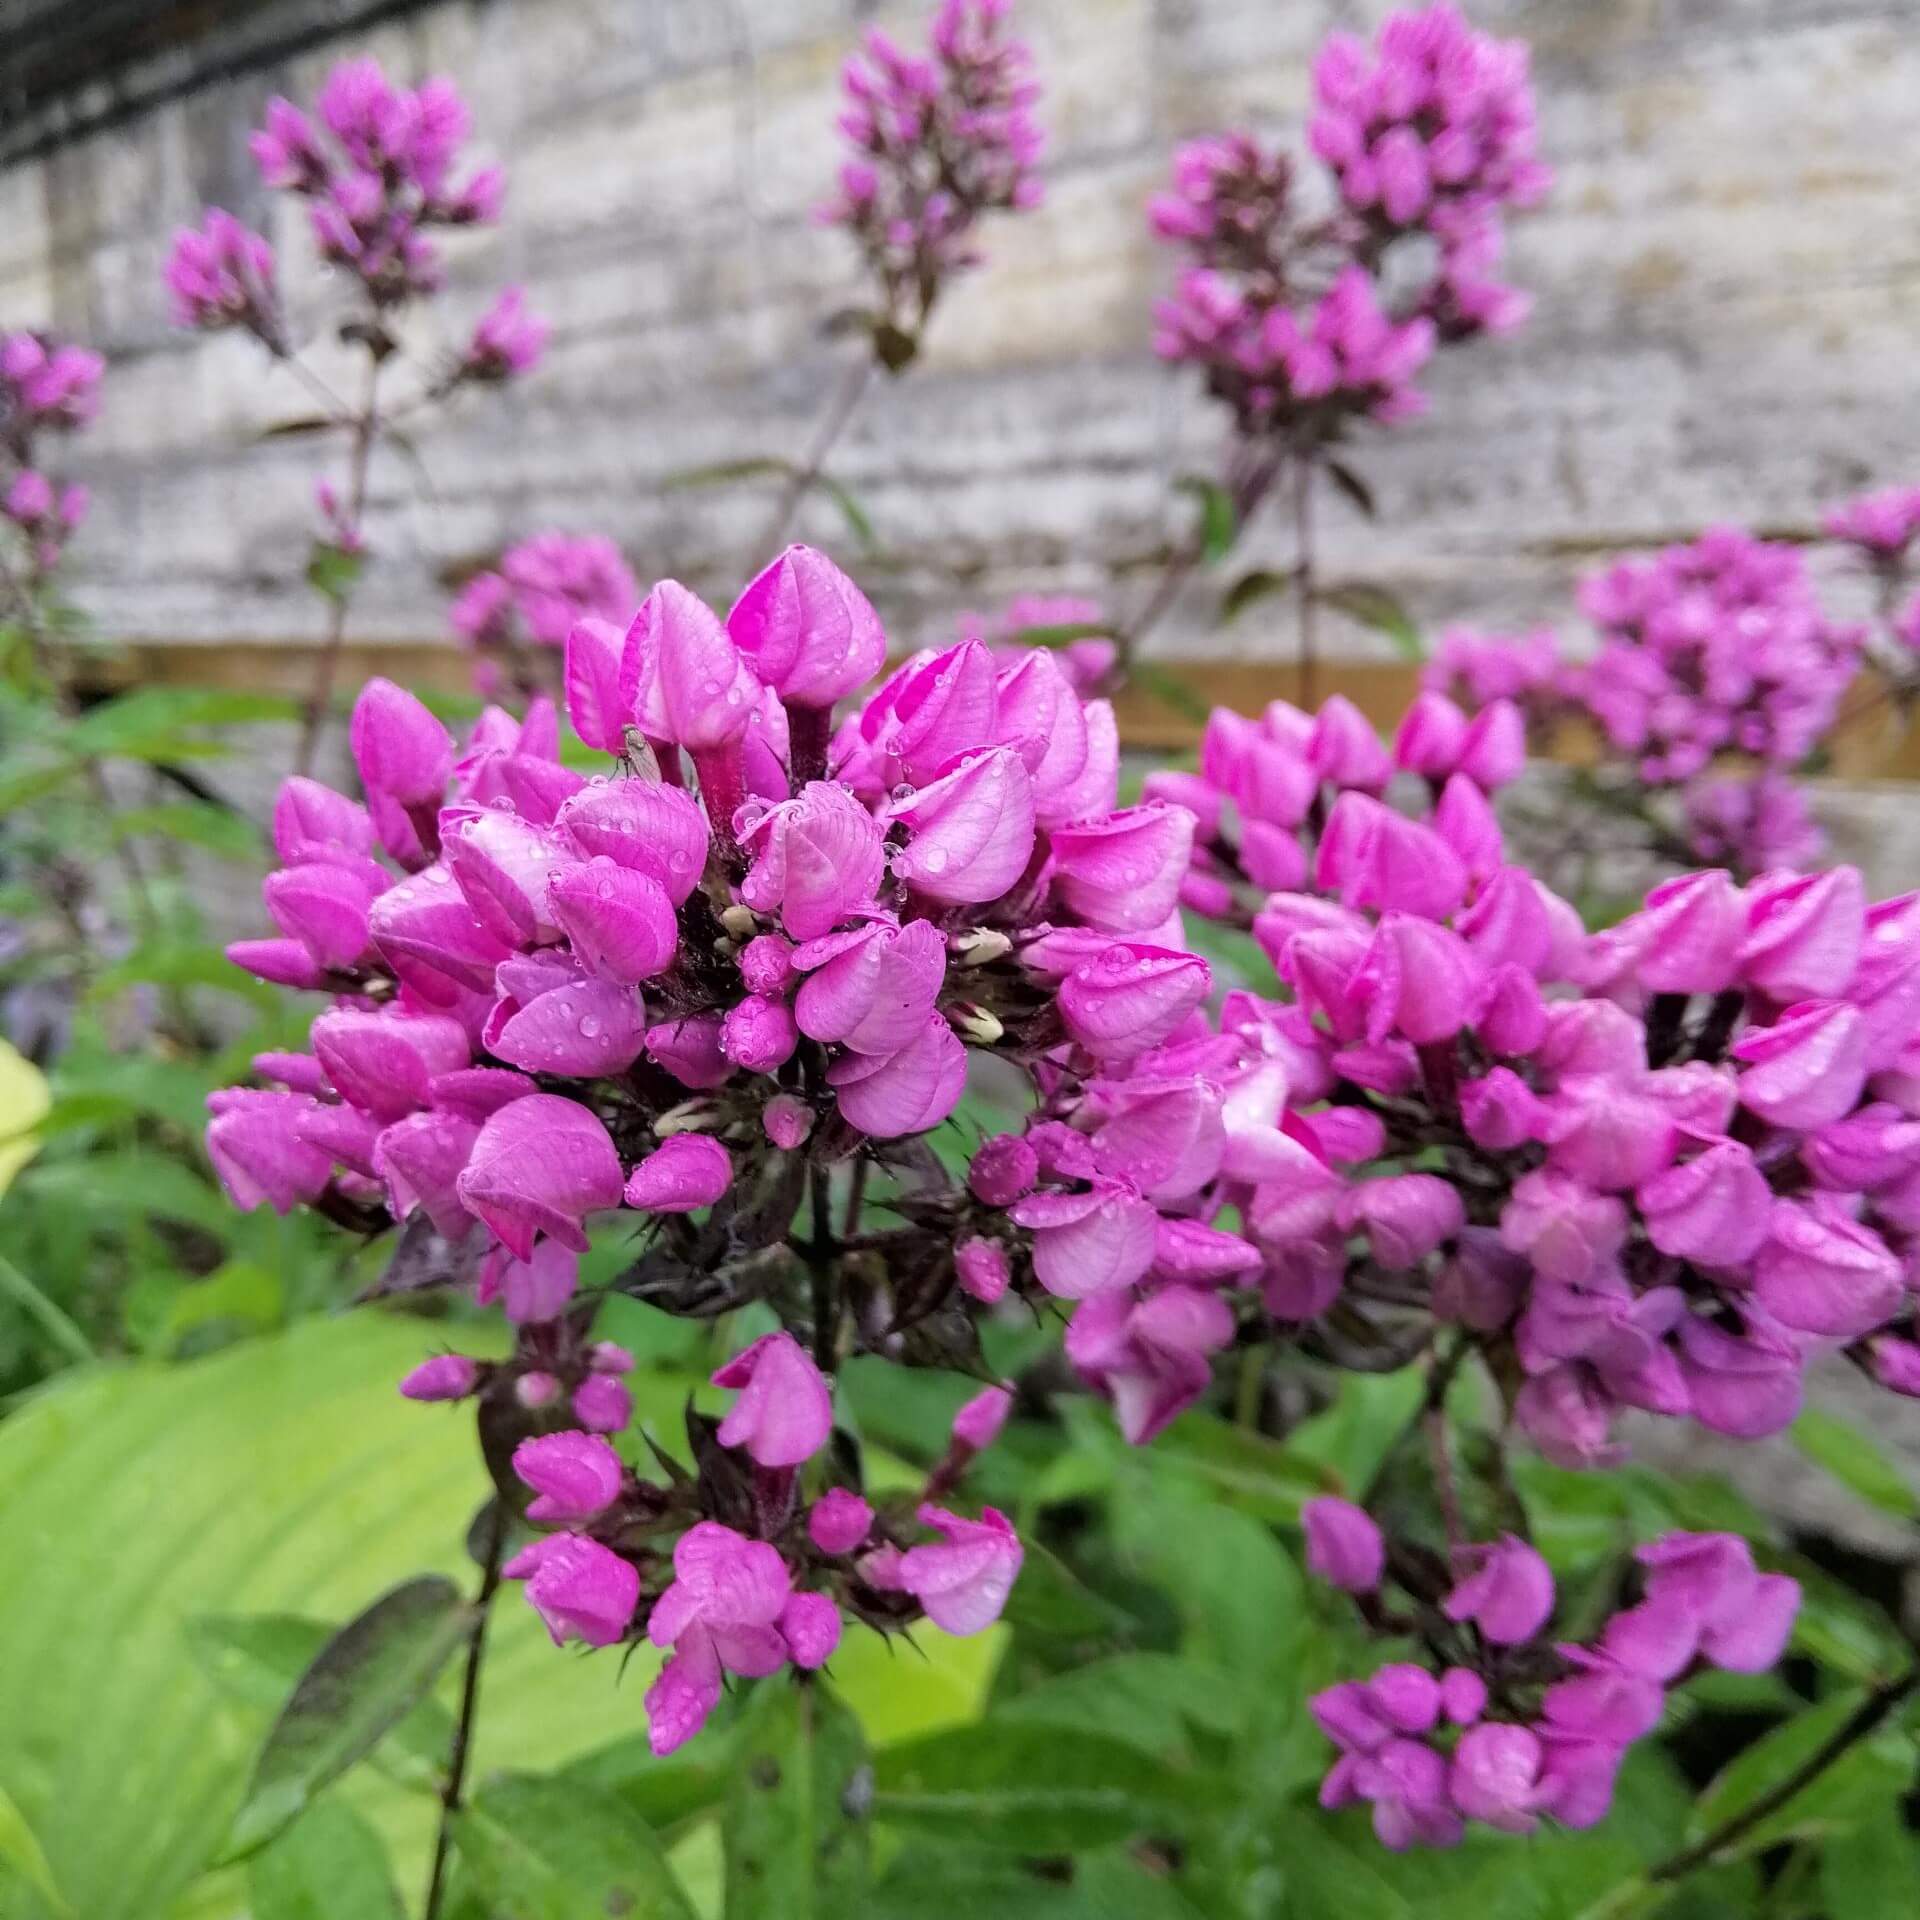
x=1219, y=518
x=1262, y=583
x=1855, y=1787
x=1149, y=1700
x=795, y=1828
x=373, y=1672
x=151, y=723
x=1874, y=1875
x=197, y=823
x=543, y=1849
x=721, y=473
x=181, y=963
x=1061, y=634
x=333, y=571
x=1325, y=1877
x=1050, y=1598
x=1353, y=1436
x=859, y=524
x=1376, y=607
x=1856, y=1460
x=285, y=1475
x=329, y=1865
x=1353, y=487
x=1018, y=1785
x=1245, y=1469
x=257, y=1660
x=1169, y=689
x=21, y=785
x=21, y=1854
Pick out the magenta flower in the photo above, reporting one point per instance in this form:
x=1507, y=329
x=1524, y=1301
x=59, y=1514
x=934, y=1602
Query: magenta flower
x=785, y=1410
x=904, y=1092
x=817, y=860
x=1507, y=1592
x=541, y=1165
x=1344, y=1546
x=689, y=1171
x=507, y=341
x=582, y=1590
x=577, y=1476
x=806, y=630
x=839, y=1521
x=977, y=1425
x=447, y=1376
x=962, y=1583
x=970, y=832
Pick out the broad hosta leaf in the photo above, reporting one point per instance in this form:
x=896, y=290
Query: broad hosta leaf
x=1856, y=1460
x=1873, y=1876
x=283, y=1476
x=795, y=1827
x=23, y=1860
x=328, y=1865
x=374, y=1671
x=1027, y=1788
x=557, y=1850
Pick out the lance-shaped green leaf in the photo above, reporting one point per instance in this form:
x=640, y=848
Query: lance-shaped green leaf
x=548, y=1849
x=795, y=1827
x=1856, y=1460
x=1376, y=607
x=22, y=1856
x=329, y=1865
x=1219, y=517
x=1029, y=1788
x=365, y=1680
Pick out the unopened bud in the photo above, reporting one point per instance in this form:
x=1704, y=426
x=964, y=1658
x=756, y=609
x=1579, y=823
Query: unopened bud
x=978, y=946
x=534, y=1390
x=973, y=1022
x=690, y=1116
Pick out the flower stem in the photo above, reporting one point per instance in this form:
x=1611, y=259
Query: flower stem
x=833, y=423
x=1863, y=1721
x=457, y=1754
x=1306, y=583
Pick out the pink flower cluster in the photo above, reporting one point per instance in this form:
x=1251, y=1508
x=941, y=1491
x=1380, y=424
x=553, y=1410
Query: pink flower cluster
x=938, y=140
x=1430, y=135
x=1432, y=128
x=44, y=388
x=542, y=586
x=386, y=179
x=375, y=192
x=1717, y=646
x=580, y=993
x=1504, y=1725
x=1884, y=530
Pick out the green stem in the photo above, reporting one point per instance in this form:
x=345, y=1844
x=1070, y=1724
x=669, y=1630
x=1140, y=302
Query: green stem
x=57, y=1324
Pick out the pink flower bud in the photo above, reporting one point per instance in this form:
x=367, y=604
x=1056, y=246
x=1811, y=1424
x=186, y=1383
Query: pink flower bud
x=619, y=923
x=421, y=1158
x=1509, y=1014
x=970, y=832
x=1507, y=1592
x=599, y=700
x=981, y=1268
x=1744, y=1386
x=1406, y=1697
x=1405, y=1216
x=1122, y=872
x=424, y=929
x=536, y=1389
x=759, y=1034
x=871, y=987
x=602, y=1404
x=1344, y=1546
x=1344, y=750
x=1563, y=1227
x=1004, y=1168
x=324, y=907
x=447, y=1376
x=977, y=1425
x=785, y=1411
x=1204, y=1256
x=582, y=1590
x=806, y=630
x=1501, y=1112
x=1823, y=1272
x=576, y=1475
x=1373, y=857
x=654, y=829
x=689, y=1049
x=839, y=1521
x=312, y=822
x=1713, y=1208
x=817, y=860
x=1131, y=997
x=1807, y=1069
x=1430, y=737
x=505, y=867
x=1495, y=1777
x=1896, y=1365
x=905, y=1092
x=552, y=1018
x=286, y=963
x=382, y=1061
x=689, y=1171
x=541, y=1165
x=787, y=1121
x=963, y=1583
x=1463, y=1696
x=938, y=707
x=691, y=685
x=810, y=1625
x=1495, y=749
x=766, y=963
x=1465, y=822
x=1606, y=1137
x=1086, y=1243
x=1690, y=934
x=402, y=751
x=1804, y=934
x=531, y=1292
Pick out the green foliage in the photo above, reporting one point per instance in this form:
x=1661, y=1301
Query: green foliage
x=328, y=1865
x=1855, y=1459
